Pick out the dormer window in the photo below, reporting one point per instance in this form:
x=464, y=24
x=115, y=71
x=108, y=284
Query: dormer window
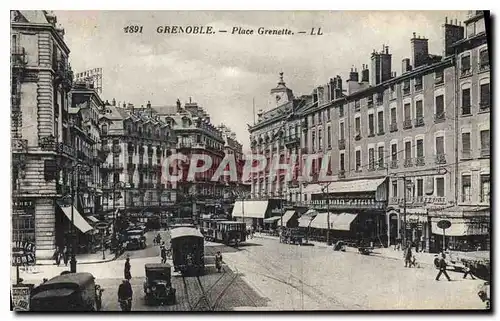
x=465, y=64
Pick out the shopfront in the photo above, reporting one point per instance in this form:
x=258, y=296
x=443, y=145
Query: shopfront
x=23, y=220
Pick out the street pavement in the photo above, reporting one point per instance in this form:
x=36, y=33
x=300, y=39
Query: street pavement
x=264, y=274
x=311, y=277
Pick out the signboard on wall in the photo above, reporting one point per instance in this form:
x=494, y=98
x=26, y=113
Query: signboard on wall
x=21, y=297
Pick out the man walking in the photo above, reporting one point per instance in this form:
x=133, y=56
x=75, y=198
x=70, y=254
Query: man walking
x=125, y=295
x=422, y=243
x=163, y=254
x=126, y=271
x=467, y=271
x=442, y=268
x=408, y=254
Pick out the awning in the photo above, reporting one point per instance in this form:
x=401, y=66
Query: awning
x=253, y=209
x=461, y=227
x=321, y=220
x=272, y=219
x=78, y=219
x=356, y=186
x=286, y=217
x=307, y=217
x=343, y=222
x=92, y=219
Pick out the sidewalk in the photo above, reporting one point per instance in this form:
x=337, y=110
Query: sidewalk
x=88, y=258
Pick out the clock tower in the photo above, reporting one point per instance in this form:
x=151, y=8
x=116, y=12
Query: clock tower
x=280, y=95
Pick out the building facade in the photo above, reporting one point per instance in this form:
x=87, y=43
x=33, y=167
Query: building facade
x=405, y=151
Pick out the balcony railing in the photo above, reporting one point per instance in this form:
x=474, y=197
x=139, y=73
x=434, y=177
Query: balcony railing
x=420, y=161
x=342, y=173
x=394, y=164
x=408, y=163
x=484, y=106
x=418, y=200
x=440, y=159
x=485, y=152
x=439, y=118
x=407, y=124
x=371, y=167
x=466, y=154
x=419, y=121
x=19, y=145
x=393, y=127
x=357, y=136
x=18, y=57
x=406, y=91
x=341, y=144
x=381, y=165
x=289, y=140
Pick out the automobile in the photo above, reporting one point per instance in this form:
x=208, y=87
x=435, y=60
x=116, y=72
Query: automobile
x=69, y=292
x=135, y=239
x=188, y=252
x=158, y=285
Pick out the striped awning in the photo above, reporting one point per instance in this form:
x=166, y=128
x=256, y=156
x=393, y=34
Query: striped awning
x=286, y=217
x=321, y=220
x=78, y=220
x=343, y=221
x=272, y=219
x=92, y=219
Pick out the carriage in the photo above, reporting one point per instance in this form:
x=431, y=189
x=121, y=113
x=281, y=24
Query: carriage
x=291, y=236
x=187, y=246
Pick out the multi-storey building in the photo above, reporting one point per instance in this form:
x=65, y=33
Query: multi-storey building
x=135, y=144
x=196, y=135
x=408, y=150
x=51, y=140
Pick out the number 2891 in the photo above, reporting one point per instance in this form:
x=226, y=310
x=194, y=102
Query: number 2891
x=133, y=29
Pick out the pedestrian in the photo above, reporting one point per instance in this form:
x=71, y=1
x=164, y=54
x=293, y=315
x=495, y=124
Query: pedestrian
x=66, y=255
x=398, y=243
x=442, y=268
x=408, y=255
x=417, y=243
x=126, y=271
x=467, y=271
x=125, y=295
x=163, y=255
x=57, y=256
x=422, y=243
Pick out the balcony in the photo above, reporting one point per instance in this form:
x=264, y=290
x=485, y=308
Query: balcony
x=407, y=124
x=394, y=164
x=380, y=132
x=18, y=57
x=381, y=165
x=406, y=91
x=408, y=163
x=439, y=118
x=419, y=121
x=418, y=200
x=393, y=127
x=485, y=152
x=19, y=145
x=420, y=161
x=466, y=154
x=292, y=140
x=371, y=167
x=357, y=136
x=341, y=144
x=440, y=159
x=484, y=106
x=484, y=66
x=418, y=87
x=342, y=173
x=465, y=72
x=439, y=80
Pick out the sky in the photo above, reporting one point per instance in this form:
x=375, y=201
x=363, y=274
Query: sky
x=225, y=73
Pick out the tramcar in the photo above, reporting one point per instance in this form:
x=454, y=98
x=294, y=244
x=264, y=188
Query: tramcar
x=188, y=252
x=209, y=228
x=230, y=232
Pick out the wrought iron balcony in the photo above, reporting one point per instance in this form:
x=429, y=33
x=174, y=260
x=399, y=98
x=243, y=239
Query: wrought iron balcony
x=18, y=57
x=420, y=161
x=342, y=173
x=394, y=164
x=485, y=152
x=466, y=154
x=357, y=136
x=440, y=159
x=407, y=124
x=439, y=118
x=393, y=127
x=484, y=106
x=341, y=144
x=408, y=162
x=419, y=121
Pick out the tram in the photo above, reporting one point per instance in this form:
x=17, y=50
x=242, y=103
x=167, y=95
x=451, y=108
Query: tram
x=188, y=250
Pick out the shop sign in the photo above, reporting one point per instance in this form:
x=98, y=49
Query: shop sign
x=23, y=204
x=21, y=297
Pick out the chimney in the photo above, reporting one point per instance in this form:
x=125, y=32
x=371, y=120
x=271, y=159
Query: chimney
x=148, y=105
x=419, y=51
x=178, y=103
x=405, y=65
x=451, y=34
x=381, y=66
x=365, y=74
x=106, y=103
x=338, y=87
x=113, y=102
x=353, y=75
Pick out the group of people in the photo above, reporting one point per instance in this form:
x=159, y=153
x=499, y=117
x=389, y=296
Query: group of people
x=418, y=244
x=62, y=254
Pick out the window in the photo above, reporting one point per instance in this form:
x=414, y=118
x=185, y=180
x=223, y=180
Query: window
x=329, y=137
x=466, y=188
x=356, y=105
x=371, y=124
x=395, y=188
x=407, y=112
x=466, y=101
x=313, y=118
x=420, y=148
x=465, y=64
x=381, y=156
x=394, y=152
x=419, y=110
x=418, y=83
x=440, y=187
x=484, y=59
x=485, y=143
x=439, y=77
x=408, y=150
x=342, y=162
x=328, y=114
x=342, y=131
x=370, y=100
x=440, y=107
x=440, y=145
x=484, y=96
x=371, y=158
x=357, y=125
x=466, y=151
x=485, y=188
x=320, y=139
x=104, y=129
x=358, y=160
x=341, y=111
x=313, y=138
x=406, y=87
x=393, y=116
x=380, y=119
x=420, y=187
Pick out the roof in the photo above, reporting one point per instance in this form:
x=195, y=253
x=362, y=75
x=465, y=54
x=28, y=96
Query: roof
x=157, y=266
x=165, y=110
x=34, y=16
x=185, y=231
x=361, y=185
x=53, y=293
